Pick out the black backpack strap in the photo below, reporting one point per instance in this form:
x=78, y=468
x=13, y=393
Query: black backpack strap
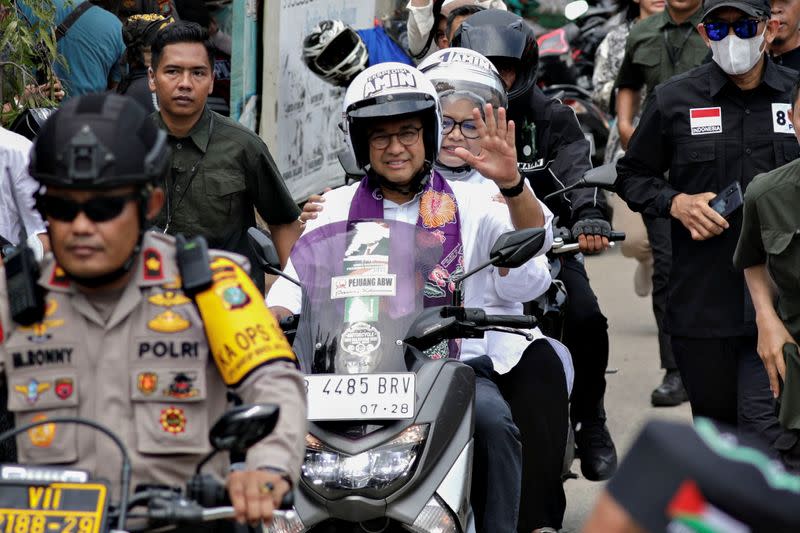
x=67, y=23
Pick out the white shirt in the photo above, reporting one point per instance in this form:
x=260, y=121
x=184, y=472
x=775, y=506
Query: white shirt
x=14, y=154
x=481, y=221
x=506, y=349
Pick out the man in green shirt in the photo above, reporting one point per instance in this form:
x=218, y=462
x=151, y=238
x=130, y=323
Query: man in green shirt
x=220, y=170
x=769, y=252
x=658, y=48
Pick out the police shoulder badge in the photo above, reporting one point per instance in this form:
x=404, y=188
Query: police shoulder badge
x=58, y=278
x=153, y=265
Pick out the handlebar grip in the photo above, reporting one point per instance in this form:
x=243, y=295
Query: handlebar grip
x=617, y=236
x=512, y=321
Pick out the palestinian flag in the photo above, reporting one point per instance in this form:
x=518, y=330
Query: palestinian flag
x=690, y=512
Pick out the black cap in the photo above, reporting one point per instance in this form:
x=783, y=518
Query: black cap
x=754, y=8
x=99, y=141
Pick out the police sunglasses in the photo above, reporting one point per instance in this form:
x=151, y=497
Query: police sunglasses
x=743, y=28
x=97, y=209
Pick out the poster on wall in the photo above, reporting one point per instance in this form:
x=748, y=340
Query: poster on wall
x=244, y=64
x=309, y=109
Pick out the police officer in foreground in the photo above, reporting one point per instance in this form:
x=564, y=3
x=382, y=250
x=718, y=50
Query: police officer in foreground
x=713, y=127
x=121, y=342
x=553, y=153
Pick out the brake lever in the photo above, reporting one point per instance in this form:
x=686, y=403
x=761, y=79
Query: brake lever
x=572, y=248
x=503, y=329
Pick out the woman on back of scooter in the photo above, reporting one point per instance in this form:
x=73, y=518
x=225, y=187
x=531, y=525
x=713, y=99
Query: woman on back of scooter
x=531, y=376
x=393, y=128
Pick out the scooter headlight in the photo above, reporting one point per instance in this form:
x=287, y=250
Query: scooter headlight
x=389, y=465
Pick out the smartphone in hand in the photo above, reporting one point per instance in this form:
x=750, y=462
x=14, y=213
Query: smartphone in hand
x=728, y=201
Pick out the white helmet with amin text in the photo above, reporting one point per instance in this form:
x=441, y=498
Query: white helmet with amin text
x=390, y=90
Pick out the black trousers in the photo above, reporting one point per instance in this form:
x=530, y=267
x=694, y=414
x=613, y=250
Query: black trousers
x=726, y=381
x=535, y=393
x=586, y=336
x=497, y=461
x=659, y=233
x=536, y=390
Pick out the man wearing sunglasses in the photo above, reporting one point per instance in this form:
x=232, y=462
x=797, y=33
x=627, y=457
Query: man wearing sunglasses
x=717, y=125
x=121, y=341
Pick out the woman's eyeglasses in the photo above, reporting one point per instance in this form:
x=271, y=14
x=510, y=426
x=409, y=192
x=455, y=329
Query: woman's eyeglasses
x=469, y=129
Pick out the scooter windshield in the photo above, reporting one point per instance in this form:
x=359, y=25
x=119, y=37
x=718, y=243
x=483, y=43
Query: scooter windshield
x=363, y=286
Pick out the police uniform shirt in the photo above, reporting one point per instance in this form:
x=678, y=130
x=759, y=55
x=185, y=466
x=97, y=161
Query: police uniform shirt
x=707, y=133
x=217, y=180
x=771, y=235
x=140, y=366
x=657, y=49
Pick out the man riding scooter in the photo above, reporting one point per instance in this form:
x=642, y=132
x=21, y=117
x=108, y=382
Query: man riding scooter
x=393, y=127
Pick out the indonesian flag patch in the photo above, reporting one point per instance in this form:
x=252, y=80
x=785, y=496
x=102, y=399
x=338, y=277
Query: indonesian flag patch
x=705, y=120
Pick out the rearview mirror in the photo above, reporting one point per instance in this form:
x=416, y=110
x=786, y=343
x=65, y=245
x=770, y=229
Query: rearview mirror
x=514, y=248
x=350, y=167
x=243, y=426
x=264, y=249
x=603, y=177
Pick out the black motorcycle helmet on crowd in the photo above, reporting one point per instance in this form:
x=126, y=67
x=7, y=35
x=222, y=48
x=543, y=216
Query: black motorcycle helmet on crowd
x=500, y=35
x=335, y=52
x=99, y=141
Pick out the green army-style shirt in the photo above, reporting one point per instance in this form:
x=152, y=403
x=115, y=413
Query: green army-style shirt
x=771, y=235
x=219, y=173
x=657, y=49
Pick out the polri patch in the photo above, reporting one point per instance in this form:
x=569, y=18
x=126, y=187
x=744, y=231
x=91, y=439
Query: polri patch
x=42, y=436
x=705, y=120
x=173, y=420
x=182, y=386
x=147, y=382
x=33, y=390
x=64, y=387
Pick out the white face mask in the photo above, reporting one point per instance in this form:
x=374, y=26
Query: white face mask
x=735, y=55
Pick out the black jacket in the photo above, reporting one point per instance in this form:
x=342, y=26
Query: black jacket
x=707, y=133
x=554, y=153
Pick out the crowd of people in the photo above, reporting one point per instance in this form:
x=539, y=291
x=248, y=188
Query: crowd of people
x=140, y=160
